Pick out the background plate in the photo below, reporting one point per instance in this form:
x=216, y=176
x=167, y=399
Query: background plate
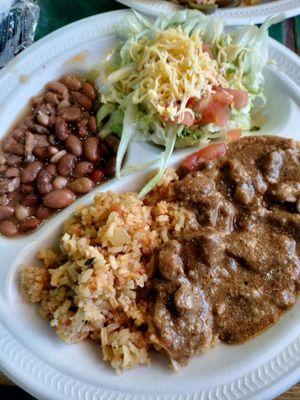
x=30, y=352
x=232, y=16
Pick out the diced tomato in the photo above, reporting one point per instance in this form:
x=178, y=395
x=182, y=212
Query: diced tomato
x=240, y=97
x=192, y=103
x=197, y=105
x=190, y=163
x=234, y=134
x=188, y=119
x=216, y=113
x=223, y=96
x=210, y=152
x=214, y=109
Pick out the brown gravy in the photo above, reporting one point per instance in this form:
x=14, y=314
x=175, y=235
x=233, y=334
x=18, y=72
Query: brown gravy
x=231, y=278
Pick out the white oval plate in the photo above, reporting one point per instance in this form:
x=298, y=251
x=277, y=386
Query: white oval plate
x=30, y=352
x=232, y=16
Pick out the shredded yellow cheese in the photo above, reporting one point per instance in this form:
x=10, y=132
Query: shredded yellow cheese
x=169, y=70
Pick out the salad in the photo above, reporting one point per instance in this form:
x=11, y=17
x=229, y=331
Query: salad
x=180, y=81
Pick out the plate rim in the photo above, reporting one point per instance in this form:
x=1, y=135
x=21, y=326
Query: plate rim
x=234, y=16
x=45, y=381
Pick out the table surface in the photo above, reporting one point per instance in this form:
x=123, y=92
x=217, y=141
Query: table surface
x=55, y=14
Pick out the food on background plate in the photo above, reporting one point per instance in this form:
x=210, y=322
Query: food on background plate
x=53, y=155
x=180, y=81
x=209, y=6
x=210, y=254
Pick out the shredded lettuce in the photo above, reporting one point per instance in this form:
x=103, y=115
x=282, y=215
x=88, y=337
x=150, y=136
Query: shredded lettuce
x=241, y=56
x=129, y=126
x=104, y=111
x=171, y=135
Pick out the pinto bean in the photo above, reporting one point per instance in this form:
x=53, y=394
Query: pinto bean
x=58, y=156
x=9, y=185
x=83, y=168
x=53, y=150
x=8, y=142
x=18, y=134
x=51, y=168
x=52, y=134
x=83, y=128
x=98, y=176
x=60, y=198
x=43, y=212
x=12, y=172
x=3, y=172
x=27, y=122
x=29, y=224
x=14, y=197
x=92, y=124
x=60, y=182
x=62, y=130
x=298, y=206
x=113, y=143
x=57, y=87
x=30, y=143
x=41, y=153
x=44, y=153
x=26, y=188
x=66, y=165
x=63, y=104
x=43, y=182
x=89, y=91
x=51, y=113
x=74, y=145
x=45, y=114
x=10, y=145
x=6, y=211
x=81, y=185
x=52, y=98
x=91, y=149
x=31, y=200
x=52, y=139
x=72, y=81
x=39, y=129
x=41, y=140
x=85, y=115
x=42, y=118
x=4, y=200
x=22, y=212
x=82, y=100
x=8, y=228
x=37, y=100
x=31, y=171
x=17, y=149
x=13, y=160
x=70, y=113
